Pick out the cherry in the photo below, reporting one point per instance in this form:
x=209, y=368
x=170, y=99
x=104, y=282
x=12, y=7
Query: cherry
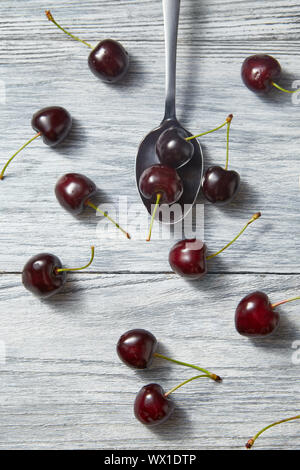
x=173, y=149
x=152, y=405
x=162, y=184
x=188, y=257
x=74, y=190
x=256, y=316
x=220, y=185
x=108, y=60
x=251, y=441
x=137, y=348
x=52, y=124
x=44, y=276
x=260, y=73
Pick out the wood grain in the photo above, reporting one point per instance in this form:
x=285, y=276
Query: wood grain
x=62, y=384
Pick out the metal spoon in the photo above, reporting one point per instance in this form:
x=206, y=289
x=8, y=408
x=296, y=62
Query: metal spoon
x=191, y=173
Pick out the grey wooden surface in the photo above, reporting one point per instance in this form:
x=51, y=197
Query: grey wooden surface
x=62, y=385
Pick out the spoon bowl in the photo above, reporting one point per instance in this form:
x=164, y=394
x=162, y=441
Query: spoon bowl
x=190, y=174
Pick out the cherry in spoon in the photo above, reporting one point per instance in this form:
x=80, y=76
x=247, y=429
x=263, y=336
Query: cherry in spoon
x=152, y=405
x=260, y=73
x=188, y=257
x=52, y=124
x=44, y=276
x=74, y=191
x=174, y=146
x=108, y=60
x=160, y=184
x=137, y=349
x=190, y=173
x=256, y=316
x=220, y=185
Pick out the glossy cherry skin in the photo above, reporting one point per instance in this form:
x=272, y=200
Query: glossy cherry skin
x=161, y=179
x=188, y=258
x=220, y=186
x=172, y=149
x=255, y=315
x=109, y=61
x=54, y=123
x=259, y=71
x=39, y=275
x=136, y=348
x=73, y=190
x=151, y=407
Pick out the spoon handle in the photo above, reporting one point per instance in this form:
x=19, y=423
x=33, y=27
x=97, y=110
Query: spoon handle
x=171, y=10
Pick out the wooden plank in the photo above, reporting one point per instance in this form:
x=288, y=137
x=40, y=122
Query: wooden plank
x=141, y=20
x=63, y=386
x=109, y=124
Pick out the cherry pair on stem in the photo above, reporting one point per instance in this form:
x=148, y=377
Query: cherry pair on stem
x=163, y=185
x=174, y=149
x=152, y=406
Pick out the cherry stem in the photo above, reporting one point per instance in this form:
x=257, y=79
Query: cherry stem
x=60, y=270
x=228, y=119
x=285, y=301
x=251, y=441
x=90, y=204
x=253, y=218
x=186, y=364
x=183, y=383
x=50, y=18
x=158, y=198
x=284, y=89
x=18, y=151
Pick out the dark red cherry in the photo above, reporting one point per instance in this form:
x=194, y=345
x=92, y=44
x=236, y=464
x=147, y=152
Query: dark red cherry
x=188, y=258
x=151, y=407
x=220, y=186
x=255, y=315
x=109, y=61
x=259, y=71
x=136, y=348
x=161, y=179
x=54, y=123
x=40, y=275
x=44, y=276
x=172, y=149
x=73, y=191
